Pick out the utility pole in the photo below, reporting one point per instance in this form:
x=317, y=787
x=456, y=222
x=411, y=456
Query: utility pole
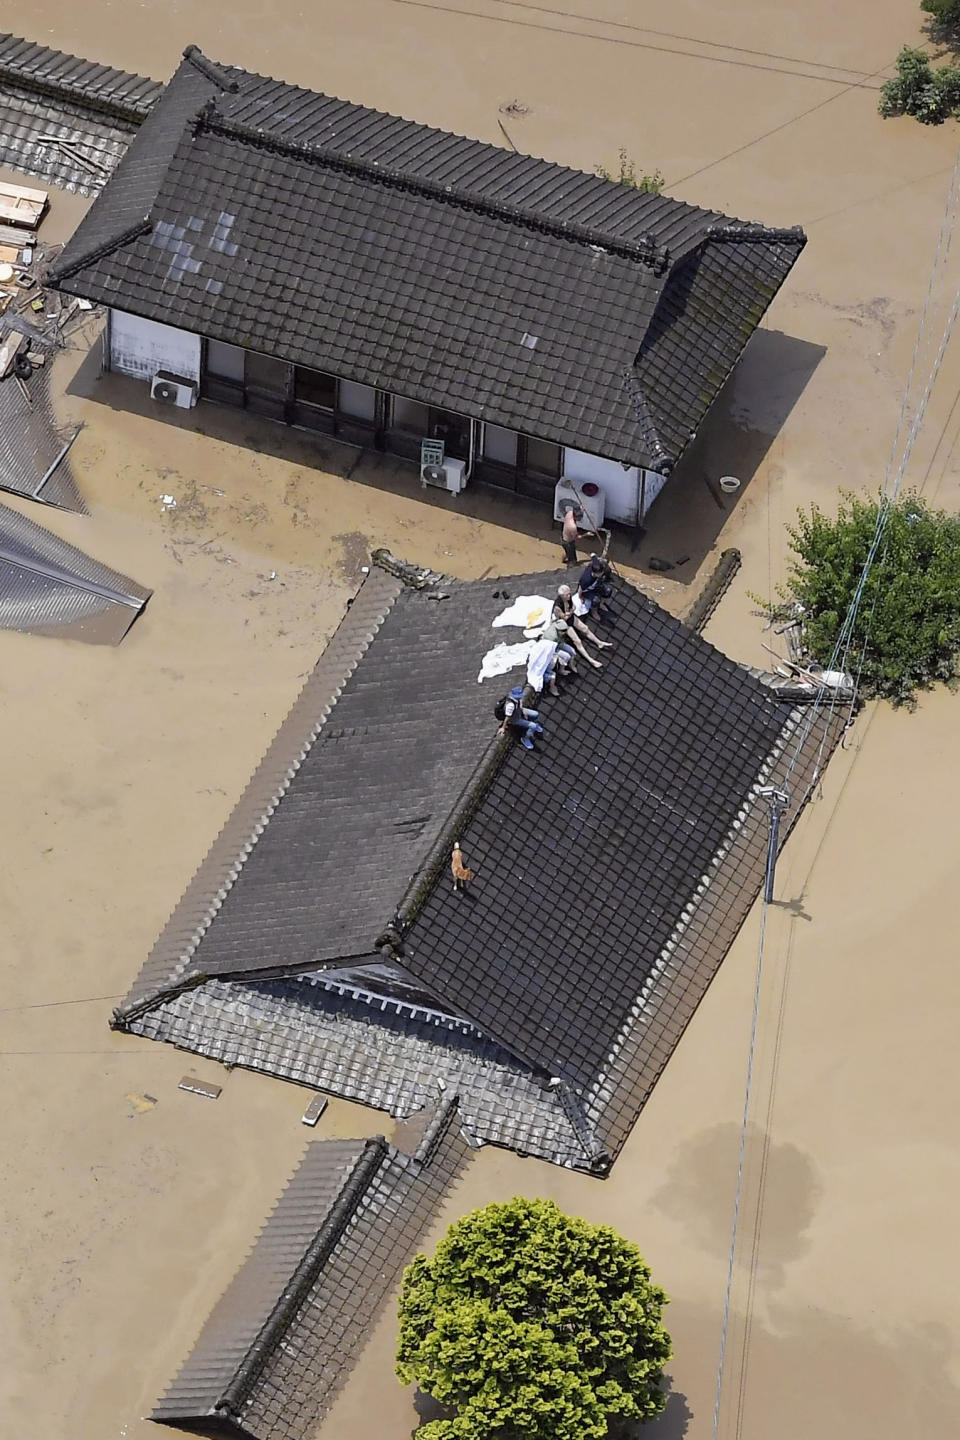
x=779, y=801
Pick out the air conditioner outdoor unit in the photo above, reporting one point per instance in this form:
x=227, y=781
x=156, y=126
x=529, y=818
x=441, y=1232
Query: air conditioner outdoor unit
x=589, y=499
x=173, y=390
x=448, y=475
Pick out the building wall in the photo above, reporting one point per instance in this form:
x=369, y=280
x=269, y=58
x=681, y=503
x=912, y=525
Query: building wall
x=142, y=347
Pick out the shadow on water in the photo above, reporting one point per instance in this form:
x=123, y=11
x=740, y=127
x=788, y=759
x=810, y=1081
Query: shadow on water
x=749, y=413
x=698, y=1193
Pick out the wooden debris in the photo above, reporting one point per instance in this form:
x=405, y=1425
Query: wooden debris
x=200, y=1087
x=9, y=350
x=314, y=1110
x=9, y=254
x=21, y=206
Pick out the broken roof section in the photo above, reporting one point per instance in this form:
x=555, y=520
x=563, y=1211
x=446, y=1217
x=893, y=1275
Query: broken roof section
x=289, y=1328
x=66, y=120
x=321, y=939
x=48, y=587
x=420, y=262
x=33, y=447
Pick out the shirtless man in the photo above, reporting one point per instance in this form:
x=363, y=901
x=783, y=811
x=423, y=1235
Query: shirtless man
x=571, y=533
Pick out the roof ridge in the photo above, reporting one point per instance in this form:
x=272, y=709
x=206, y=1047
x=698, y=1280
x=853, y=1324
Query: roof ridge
x=338, y=1217
x=752, y=231
x=165, y=970
x=662, y=460
x=195, y=57
x=647, y=251
x=14, y=50
x=58, y=273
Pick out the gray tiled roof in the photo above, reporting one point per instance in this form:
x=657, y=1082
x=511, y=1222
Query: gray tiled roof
x=403, y=257
x=47, y=96
x=286, y=1333
x=613, y=869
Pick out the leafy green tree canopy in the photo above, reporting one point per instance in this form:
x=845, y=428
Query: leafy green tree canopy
x=908, y=622
x=921, y=91
x=944, y=12
x=533, y=1325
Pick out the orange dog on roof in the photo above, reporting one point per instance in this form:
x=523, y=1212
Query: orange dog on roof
x=461, y=875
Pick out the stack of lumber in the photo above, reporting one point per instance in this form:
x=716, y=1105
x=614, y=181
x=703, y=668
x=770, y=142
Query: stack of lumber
x=21, y=208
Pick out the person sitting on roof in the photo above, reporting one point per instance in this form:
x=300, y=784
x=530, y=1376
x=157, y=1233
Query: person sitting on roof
x=513, y=714
x=563, y=609
x=595, y=588
x=560, y=632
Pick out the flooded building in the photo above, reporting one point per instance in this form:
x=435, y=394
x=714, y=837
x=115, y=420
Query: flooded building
x=362, y=276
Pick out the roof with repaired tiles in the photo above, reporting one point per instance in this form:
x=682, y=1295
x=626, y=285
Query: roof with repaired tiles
x=322, y=940
x=512, y=290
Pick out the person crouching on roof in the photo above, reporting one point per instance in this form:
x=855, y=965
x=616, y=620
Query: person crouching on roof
x=513, y=714
x=563, y=610
x=543, y=663
x=595, y=588
x=566, y=655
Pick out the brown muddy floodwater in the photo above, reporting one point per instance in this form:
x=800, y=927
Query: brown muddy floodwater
x=124, y=1220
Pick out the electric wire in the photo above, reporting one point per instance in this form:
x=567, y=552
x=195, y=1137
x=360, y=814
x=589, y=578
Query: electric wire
x=744, y=1129
x=841, y=650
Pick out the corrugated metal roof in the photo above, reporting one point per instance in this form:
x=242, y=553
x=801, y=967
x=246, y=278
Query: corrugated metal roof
x=48, y=587
x=33, y=447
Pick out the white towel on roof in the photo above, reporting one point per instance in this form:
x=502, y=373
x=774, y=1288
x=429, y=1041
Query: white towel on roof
x=527, y=611
x=502, y=658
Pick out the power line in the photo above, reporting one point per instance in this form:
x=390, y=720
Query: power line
x=52, y=1004
x=777, y=801
x=633, y=44
x=671, y=35
x=785, y=125
x=841, y=653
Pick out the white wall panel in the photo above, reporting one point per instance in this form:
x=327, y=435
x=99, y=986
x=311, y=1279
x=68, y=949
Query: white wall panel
x=142, y=347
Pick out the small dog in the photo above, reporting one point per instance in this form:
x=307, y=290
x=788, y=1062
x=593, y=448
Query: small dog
x=461, y=875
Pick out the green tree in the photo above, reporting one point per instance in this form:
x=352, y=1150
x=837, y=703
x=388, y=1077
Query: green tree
x=533, y=1325
x=929, y=95
x=944, y=12
x=908, y=623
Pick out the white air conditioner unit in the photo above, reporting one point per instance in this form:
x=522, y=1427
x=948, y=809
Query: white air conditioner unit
x=449, y=475
x=173, y=390
x=593, y=507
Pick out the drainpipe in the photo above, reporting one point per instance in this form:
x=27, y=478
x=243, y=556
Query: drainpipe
x=471, y=452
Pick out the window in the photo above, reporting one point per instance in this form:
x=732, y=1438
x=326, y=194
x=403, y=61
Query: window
x=265, y=374
x=225, y=361
x=500, y=445
x=409, y=415
x=543, y=457
x=358, y=400
x=313, y=387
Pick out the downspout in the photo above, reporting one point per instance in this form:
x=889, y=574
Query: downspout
x=471, y=454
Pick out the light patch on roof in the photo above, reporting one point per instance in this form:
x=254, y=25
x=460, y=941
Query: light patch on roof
x=530, y=341
x=220, y=239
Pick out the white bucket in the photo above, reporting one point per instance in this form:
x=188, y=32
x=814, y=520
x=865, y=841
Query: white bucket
x=729, y=484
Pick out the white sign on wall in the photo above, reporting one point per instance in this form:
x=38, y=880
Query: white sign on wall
x=142, y=347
